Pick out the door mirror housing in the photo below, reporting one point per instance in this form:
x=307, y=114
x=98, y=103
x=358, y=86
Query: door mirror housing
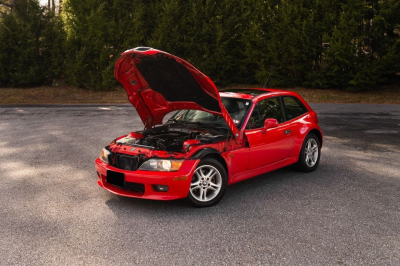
x=269, y=123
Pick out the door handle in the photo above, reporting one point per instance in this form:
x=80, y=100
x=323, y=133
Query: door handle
x=287, y=132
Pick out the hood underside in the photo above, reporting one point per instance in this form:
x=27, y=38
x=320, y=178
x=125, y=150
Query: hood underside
x=158, y=83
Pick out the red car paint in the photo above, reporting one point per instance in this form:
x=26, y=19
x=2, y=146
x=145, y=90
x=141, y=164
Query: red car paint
x=151, y=105
x=245, y=154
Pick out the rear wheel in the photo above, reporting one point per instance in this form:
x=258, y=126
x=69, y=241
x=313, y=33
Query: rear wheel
x=208, y=184
x=310, y=154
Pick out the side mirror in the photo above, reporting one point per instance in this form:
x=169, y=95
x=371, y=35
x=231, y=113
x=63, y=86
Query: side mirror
x=269, y=123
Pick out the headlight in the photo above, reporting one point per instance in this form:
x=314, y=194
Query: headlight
x=104, y=155
x=161, y=165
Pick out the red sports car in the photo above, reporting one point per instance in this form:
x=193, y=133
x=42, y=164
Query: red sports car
x=213, y=140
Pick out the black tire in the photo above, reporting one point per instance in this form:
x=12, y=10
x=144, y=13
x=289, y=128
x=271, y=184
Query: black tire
x=304, y=163
x=206, y=186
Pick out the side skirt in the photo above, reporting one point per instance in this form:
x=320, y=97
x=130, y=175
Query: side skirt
x=262, y=170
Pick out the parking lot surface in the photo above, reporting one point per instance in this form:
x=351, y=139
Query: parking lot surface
x=52, y=212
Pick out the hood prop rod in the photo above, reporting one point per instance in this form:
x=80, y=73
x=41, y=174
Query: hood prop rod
x=145, y=122
x=227, y=139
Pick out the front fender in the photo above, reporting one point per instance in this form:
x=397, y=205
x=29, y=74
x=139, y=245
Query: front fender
x=203, y=152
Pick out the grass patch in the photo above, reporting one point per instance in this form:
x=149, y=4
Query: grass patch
x=60, y=95
x=71, y=95
x=384, y=95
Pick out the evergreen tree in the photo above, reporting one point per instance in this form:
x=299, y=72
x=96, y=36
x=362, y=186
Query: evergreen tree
x=344, y=54
x=97, y=33
x=352, y=44
x=380, y=45
x=30, y=46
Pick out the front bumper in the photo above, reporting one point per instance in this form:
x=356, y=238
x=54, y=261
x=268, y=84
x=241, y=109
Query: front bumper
x=178, y=182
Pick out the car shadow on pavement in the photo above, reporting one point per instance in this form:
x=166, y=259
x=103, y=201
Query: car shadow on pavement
x=266, y=186
x=329, y=188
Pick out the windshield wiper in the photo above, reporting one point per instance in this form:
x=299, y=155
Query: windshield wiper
x=176, y=121
x=185, y=124
x=209, y=126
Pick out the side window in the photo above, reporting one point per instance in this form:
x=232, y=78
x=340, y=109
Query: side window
x=267, y=108
x=254, y=119
x=270, y=108
x=293, y=107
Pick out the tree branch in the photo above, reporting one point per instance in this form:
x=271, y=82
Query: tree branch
x=6, y=4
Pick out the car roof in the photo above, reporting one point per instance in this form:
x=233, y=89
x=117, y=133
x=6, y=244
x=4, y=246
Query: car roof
x=254, y=94
x=248, y=93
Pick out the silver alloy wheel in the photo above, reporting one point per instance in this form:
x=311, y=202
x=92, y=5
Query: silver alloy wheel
x=206, y=183
x=311, y=151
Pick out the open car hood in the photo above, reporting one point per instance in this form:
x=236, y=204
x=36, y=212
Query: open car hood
x=158, y=83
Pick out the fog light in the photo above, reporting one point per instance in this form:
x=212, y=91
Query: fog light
x=160, y=188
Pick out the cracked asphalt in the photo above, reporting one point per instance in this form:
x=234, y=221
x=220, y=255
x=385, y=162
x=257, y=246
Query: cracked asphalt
x=52, y=212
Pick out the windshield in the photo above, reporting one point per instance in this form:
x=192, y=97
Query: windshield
x=236, y=107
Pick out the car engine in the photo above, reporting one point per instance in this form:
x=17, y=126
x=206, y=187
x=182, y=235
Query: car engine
x=171, y=140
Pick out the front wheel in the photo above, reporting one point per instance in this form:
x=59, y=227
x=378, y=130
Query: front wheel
x=310, y=154
x=208, y=184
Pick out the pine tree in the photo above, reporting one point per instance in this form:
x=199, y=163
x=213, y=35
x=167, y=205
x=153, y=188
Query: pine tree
x=344, y=52
x=352, y=44
x=380, y=47
x=97, y=33
x=29, y=38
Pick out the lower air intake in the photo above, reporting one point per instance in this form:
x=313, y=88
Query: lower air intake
x=134, y=187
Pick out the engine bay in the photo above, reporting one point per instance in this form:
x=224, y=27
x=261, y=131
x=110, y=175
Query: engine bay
x=171, y=139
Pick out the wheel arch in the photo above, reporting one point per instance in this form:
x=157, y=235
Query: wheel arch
x=318, y=134
x=301, y=165
x=211, y=153
x=298, y=143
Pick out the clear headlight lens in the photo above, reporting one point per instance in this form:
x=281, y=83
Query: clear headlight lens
x=104, y=155
x=161, y=165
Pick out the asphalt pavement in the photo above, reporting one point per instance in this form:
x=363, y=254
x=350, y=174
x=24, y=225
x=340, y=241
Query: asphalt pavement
x=52, y=212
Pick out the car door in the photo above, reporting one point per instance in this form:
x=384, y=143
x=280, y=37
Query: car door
x=295, y=112
x=273, y=145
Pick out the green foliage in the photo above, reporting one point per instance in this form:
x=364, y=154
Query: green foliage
x=349, y=44
x=208, y=34
x=353, y=44
x=31, y=50
x=97, y=33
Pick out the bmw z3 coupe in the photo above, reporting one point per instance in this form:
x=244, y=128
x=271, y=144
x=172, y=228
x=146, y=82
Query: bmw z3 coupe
x=213, y=139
